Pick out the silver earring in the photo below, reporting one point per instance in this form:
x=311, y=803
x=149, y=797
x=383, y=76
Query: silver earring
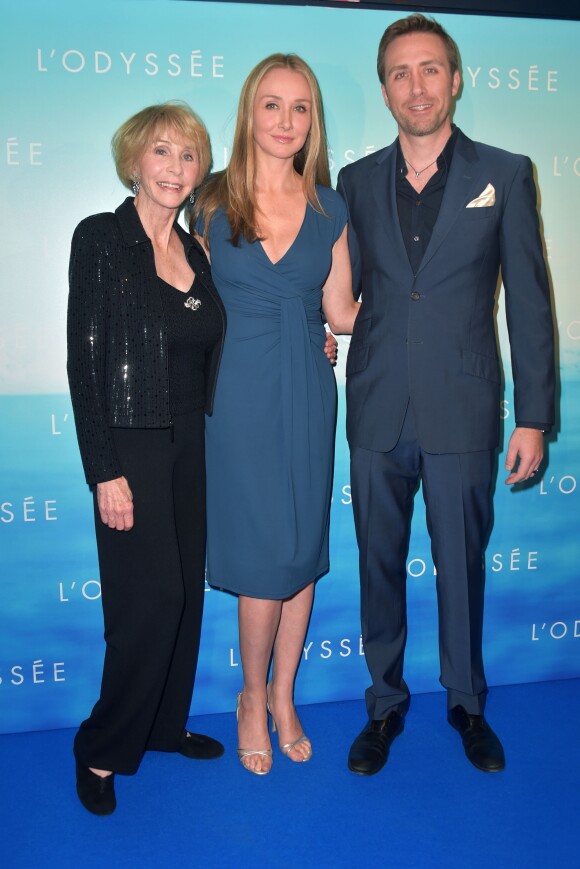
x=135, y=186
x=191, y=198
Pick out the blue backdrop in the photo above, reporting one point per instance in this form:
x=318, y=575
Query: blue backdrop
x=70, y=73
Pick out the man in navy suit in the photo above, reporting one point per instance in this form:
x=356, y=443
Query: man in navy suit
x=432, y=219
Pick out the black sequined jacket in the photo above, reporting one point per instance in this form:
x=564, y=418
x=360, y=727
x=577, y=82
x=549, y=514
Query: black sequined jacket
x=117, y=342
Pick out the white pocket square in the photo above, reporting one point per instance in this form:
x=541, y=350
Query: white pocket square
x=485, y=199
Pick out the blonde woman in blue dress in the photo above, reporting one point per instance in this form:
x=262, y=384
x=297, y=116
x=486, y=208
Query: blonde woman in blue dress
x=276, y=234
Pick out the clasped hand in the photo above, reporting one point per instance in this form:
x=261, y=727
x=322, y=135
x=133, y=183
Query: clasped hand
x=331, y=348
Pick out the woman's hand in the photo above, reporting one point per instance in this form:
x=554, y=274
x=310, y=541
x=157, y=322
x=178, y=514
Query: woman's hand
x=331, y=348
x=115, y=502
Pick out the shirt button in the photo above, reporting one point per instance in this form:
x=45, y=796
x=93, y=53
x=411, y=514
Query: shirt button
x=415, y=238
x=415, y=296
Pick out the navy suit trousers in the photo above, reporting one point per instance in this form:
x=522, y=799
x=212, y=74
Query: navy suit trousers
x=457, y=489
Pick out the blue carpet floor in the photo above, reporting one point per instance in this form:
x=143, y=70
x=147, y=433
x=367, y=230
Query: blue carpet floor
x=428, y=808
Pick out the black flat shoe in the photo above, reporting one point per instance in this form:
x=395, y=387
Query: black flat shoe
x=370, y=750
x=198, y=747
x=96, y=793
x=482, y=747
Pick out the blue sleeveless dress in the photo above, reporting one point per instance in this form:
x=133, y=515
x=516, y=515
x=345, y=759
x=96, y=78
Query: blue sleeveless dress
x=270, y=441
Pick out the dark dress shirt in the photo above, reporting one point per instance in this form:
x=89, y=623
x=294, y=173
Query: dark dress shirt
x=418, y=212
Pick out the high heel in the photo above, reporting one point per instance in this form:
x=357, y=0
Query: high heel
x=288, y=746
x=250, y=752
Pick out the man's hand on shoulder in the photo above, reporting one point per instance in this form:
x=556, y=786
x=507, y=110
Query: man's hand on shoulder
x=525, y=452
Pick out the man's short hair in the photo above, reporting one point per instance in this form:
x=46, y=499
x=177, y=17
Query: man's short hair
x=416, y=23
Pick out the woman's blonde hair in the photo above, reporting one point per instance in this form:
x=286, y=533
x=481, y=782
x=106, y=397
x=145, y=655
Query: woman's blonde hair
x=133, y=137
x=233, y=188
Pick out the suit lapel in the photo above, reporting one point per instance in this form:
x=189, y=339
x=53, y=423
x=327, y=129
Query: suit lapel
x=463, y=184
x=384, y=193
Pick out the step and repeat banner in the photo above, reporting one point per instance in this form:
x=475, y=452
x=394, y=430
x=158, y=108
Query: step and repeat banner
x=71, y=73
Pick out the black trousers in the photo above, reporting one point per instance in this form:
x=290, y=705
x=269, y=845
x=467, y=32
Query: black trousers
x=457, y=493
x=152, y=581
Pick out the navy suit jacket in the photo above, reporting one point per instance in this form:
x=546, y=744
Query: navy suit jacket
x=431, y=337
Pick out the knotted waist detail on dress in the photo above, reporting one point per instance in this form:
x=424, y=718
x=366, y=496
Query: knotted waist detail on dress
x=250, y=301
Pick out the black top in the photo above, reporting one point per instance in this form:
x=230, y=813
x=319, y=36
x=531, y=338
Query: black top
x=193, y=328
x=117, y=335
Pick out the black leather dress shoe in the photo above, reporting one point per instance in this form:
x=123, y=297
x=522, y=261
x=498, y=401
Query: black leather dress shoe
x=198, y=747
x=97, y=794
x=370, y=750
x=481, y=745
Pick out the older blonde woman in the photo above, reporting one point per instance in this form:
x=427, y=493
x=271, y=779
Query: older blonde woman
x=277, y=239
x=145, y=333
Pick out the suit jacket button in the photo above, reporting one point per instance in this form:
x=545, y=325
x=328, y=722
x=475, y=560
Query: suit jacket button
x=415, y=296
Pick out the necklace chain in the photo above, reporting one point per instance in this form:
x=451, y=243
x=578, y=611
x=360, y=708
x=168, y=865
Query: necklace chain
x=419, y=171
